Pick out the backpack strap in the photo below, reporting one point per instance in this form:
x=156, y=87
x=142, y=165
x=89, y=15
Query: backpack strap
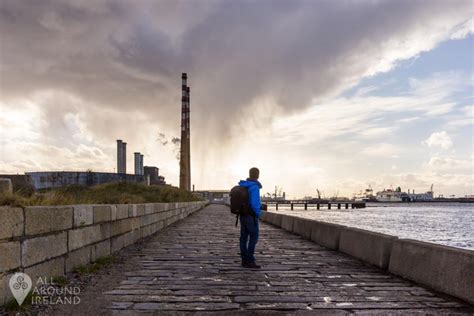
x=236, y=220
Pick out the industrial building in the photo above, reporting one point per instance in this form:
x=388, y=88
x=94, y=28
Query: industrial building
x=214, y=196
x=20, y=182
x=57, y=179
x=152, y=175
x=149, y=173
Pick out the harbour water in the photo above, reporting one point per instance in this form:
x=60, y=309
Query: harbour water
x=450, y=224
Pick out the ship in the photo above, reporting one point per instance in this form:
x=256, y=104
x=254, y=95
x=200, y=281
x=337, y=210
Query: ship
x=366, y=196
x=390, y=195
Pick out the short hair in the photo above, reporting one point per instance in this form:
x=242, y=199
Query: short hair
x=254, y=173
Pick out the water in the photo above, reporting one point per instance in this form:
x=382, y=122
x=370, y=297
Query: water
x=450, y=224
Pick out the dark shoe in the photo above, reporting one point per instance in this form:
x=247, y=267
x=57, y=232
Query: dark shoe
x=252, y=265
x=244, y=264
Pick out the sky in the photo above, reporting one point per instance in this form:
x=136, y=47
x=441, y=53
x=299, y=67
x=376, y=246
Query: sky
x=328, y=95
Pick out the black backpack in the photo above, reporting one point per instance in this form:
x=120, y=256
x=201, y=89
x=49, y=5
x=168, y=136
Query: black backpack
x=239, y=202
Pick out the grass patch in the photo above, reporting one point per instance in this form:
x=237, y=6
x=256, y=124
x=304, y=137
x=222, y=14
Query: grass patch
x=110, y=193
x=95, y=266
x=12, y=305
x=60, y=281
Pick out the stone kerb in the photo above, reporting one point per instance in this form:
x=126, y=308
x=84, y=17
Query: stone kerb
x=51, y=240
x=274, y=219
x=442, y=268
x=326, y=234
x=287, y=222
x=303, y=227
x=371, y=247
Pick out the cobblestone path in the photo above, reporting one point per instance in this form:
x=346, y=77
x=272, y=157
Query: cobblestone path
x=194, y=265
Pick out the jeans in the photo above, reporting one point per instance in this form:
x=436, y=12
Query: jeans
x=248, y=238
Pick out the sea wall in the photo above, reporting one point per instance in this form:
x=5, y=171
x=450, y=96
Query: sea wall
x=48, y=241
x=445, y=269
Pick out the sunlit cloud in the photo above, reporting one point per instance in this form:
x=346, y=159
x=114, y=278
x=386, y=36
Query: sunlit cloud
x=439, y=139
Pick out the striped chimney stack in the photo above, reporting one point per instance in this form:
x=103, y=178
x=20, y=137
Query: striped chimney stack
x=185, y=151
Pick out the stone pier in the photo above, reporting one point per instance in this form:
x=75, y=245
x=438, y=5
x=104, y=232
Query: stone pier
x=194, y=266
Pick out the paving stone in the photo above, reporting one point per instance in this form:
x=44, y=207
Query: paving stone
x=121, y=305
x=185, y=306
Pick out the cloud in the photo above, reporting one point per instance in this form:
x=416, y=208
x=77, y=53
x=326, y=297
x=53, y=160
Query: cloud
x=382, y=150
x=125, y=55
x=464, y=117
x=439, y=139
x=376, y=132
x=463, y=30
x=368, y=117
x=450, y=165
x=97, y=71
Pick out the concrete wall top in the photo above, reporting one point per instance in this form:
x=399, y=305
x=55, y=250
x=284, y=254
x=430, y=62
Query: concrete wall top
x=368, y=246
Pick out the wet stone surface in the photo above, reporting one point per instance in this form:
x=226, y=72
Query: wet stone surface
x=195, y=266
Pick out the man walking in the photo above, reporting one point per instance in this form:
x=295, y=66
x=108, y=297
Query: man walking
x=249, y=223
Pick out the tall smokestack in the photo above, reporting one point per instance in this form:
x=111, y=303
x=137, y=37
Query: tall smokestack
x=188, y=137
x=119, y=156
x=137, y=163
x=185, y=157
x=142, y=171
x=124, y=158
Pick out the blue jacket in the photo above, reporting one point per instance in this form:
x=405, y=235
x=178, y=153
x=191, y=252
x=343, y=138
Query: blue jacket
x=253, y=186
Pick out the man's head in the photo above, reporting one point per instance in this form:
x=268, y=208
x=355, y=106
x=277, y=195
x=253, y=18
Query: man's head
x=254, y=173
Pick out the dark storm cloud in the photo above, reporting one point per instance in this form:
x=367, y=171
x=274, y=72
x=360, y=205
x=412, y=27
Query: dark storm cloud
x=128, y=55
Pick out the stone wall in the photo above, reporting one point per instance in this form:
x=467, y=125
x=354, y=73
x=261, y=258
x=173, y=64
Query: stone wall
x=445, y=269
x=48, y=241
